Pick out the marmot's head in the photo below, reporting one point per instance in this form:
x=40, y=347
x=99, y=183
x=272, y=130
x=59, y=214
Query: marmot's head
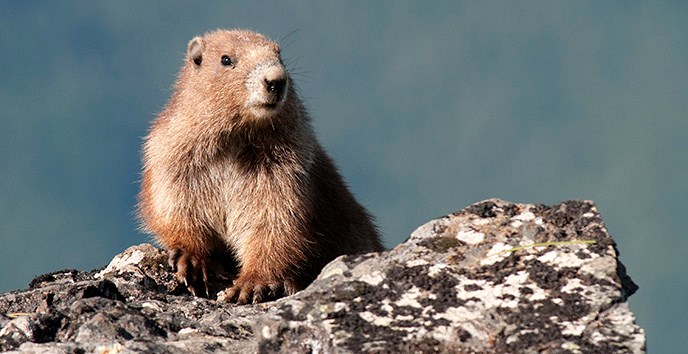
x=238, y=74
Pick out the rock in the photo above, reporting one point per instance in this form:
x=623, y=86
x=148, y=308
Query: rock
x=496, y=277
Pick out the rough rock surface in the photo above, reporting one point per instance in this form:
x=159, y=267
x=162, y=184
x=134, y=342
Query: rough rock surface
x=496, y=277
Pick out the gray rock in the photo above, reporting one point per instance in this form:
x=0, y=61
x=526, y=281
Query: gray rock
x=496, y=277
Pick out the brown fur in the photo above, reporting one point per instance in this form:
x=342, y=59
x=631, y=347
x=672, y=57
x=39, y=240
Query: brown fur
x=233, y=165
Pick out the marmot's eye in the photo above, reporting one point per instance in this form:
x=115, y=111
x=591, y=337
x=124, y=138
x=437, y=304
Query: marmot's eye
x=226, y=60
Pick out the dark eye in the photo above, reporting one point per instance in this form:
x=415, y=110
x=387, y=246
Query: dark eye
x=226, y=60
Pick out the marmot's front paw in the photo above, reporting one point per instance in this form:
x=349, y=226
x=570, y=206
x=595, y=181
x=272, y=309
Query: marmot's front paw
x=253, y=290
x=192, y=270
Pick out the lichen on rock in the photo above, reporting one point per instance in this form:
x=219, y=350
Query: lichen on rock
x=494, y=277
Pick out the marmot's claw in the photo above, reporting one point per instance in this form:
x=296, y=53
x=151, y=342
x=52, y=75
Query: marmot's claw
x=252, y=291
x=192, y=271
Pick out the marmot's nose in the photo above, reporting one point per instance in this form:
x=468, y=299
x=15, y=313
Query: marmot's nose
x=270, y=83
x=275, y=86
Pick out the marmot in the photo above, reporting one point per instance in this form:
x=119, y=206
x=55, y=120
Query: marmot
x=232, y=164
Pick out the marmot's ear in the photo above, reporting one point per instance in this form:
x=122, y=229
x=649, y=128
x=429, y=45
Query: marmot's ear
x=195, y=51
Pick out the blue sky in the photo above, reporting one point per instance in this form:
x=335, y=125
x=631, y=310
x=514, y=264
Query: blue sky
x=426, y=109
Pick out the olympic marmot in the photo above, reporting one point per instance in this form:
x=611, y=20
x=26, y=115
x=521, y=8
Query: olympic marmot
x=232, y=165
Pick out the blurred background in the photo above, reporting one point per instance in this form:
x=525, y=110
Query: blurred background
x=425, y=108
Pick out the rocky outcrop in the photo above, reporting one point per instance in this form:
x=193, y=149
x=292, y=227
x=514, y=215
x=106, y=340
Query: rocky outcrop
x=496, y=277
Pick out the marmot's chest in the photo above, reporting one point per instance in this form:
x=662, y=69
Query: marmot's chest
x=235, y=197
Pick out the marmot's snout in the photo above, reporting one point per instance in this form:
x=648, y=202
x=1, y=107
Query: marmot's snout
x=274, y=84
x=267, y=84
